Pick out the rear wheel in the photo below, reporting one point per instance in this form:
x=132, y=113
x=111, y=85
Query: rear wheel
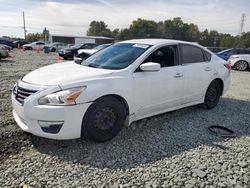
x=104, y=119
x=241, y=65
x=212, y=96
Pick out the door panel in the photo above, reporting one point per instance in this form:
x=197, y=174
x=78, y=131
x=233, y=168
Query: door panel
x=197, y=77
x=157, y=91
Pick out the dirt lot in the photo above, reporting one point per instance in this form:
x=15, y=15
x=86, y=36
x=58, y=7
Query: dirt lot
x=170, y=150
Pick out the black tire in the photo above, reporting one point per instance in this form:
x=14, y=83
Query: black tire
x=241, y=65
x=212, y=96
x=103, y=120
x=53, y=50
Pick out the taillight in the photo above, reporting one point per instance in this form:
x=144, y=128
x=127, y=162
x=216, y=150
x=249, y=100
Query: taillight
x=228, y=66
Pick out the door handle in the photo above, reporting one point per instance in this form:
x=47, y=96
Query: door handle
x=178, y=75
x=207, y=69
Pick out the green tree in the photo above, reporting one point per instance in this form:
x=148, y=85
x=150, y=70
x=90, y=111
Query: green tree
x=172, y=29
x=31, y=37
x=141, y=28
x=99, y=28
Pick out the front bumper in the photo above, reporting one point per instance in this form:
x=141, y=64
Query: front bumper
x=28, y=116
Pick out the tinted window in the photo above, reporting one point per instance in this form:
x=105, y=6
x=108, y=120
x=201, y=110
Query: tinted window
x=242, y=51
x=40, y=43
x=165, y=56
x=207, y=55
x=87, y=46
x=191, y=54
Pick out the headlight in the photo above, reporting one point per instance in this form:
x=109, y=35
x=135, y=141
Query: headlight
x=64, y=97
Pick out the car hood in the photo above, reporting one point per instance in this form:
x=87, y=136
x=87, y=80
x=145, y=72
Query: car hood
x=64, y=73
x=87, y=51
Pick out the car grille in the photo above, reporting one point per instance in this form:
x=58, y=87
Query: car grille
x=21, y=94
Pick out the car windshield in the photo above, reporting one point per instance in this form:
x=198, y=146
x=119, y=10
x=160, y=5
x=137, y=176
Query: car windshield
x=117, y=56
x=76, y=46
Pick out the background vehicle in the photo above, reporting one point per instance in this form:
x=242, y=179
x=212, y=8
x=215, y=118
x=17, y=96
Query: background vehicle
x=225, y=54
x=7, y=42
x=215, y=49
x=240, y=62
x=54, y=47
x=20, y=43
x=68, y=53
x=3, y=52
x=34, y=46
x=84, y=53
x=125, y=82
x=9, y=48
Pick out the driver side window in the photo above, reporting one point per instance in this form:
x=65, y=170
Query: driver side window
x=165, y=56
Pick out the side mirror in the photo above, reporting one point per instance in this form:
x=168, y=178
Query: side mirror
x=150, y=67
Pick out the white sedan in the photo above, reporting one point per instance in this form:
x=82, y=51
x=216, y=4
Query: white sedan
x=125, y=82
x=34, y=46
x=240, y=62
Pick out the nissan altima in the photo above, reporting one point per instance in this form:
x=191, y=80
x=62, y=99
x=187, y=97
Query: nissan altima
x=116, y=86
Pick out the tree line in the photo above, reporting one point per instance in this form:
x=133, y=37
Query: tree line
x=171, y=29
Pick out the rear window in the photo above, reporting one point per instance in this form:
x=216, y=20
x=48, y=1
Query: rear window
x=208, y=56
x=193, y=54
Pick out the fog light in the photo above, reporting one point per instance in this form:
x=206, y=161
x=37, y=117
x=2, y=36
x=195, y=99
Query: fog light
x=52, y=127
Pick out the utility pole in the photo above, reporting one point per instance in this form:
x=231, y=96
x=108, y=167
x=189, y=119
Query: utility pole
x=242, y=23
x=24, y=27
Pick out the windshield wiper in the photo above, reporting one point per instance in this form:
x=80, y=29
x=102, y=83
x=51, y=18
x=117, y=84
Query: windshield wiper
x=93, y=65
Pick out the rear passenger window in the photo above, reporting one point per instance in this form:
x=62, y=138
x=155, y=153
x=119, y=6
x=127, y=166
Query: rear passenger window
x=208, y=56
x=192, y=54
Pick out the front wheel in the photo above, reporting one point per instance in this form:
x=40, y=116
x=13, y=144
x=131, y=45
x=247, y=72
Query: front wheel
x=212, y=96
x=103, y=120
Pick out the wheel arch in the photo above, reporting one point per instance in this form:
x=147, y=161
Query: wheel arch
x=248, y=63
x=220, y=81
x=118, y=97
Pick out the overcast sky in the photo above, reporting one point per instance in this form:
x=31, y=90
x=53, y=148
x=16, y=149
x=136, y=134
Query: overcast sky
x=72, y=17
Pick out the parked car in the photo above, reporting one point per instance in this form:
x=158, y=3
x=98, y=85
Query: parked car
x=118, y=85
x=54, y=47
x=20, y=43
x=240, y=62
x=225, y=54
x=3, y=52
x=84, y=53
x=34, y=46
x=68, y=53
x=215, y=49
x=9, y=48
x=7, y=42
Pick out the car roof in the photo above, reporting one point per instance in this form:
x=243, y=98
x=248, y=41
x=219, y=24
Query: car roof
x=157, y=41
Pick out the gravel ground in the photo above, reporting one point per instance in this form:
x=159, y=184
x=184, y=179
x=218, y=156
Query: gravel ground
x=169, y=150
